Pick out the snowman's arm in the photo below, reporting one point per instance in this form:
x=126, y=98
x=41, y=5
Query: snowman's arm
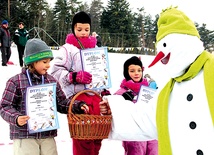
x=131, y=122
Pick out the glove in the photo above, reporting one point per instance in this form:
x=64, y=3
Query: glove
x=76, y=107
x=80, y=77
x=105, y=92
x=128, y=95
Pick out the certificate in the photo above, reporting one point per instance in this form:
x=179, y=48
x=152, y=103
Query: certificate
x=41, y=108
x=96, y=62
x=146, y=94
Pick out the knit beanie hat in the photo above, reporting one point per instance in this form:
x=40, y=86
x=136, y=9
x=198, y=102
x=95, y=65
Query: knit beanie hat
x=80, y=17
x=4, y=22
x=35, y=50
x=131, y=61
x=174, y=21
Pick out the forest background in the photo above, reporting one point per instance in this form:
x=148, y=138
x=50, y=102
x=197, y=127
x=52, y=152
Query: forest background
x=123, y=30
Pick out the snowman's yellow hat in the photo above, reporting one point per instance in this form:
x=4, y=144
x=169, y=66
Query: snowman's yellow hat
x=174, y=21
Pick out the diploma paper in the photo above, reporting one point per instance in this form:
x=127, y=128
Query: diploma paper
x=41, y=107
x=95, y=61
x=146, y=94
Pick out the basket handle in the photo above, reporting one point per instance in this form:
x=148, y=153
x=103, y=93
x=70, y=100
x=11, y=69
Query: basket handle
x=76, y=95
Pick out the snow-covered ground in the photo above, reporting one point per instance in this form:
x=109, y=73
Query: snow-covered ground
x=64, y=143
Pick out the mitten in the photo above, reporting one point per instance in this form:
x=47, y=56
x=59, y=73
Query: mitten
x=145, y=82
x=76, y=107
x=81, y=77
x=105, y=92
x=128, y=95
x=153, y=85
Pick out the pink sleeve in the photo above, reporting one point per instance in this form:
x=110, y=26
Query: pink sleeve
x=120, y=91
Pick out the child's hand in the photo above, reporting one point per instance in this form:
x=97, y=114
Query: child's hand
x=105, y=92
x=145, y=82
x=85, y=108
x=128, y=95
x=105, y=108
x=80, y=107
x=22, y=120
x=81, y=77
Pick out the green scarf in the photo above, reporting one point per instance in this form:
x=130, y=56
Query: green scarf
x=204, y=61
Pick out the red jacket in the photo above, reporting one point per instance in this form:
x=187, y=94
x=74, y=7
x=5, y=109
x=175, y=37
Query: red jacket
x=92, y=102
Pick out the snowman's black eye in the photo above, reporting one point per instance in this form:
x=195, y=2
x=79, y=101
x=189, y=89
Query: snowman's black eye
x=164, y=44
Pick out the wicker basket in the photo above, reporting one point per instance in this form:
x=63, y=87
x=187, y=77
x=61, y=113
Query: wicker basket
x=88, y=127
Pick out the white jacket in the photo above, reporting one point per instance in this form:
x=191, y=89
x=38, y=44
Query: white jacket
x=67, y=60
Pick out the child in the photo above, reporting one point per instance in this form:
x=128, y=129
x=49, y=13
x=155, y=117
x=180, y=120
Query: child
x=37, y=57
x=129, y=89
x=67, y=69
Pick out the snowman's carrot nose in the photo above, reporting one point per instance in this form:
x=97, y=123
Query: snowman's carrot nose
x=157, y=58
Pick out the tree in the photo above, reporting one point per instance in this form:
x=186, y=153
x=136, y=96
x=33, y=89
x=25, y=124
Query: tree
x=62, y=19
x=138, y=24
x=207, y=36
x=150, y=31
x=3, y=9
x=96, y=10
x=117, y=22
x=63, y=13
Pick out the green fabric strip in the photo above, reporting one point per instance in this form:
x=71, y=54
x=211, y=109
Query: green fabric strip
x=38, y=56
x=206, y=61
x=209, y=84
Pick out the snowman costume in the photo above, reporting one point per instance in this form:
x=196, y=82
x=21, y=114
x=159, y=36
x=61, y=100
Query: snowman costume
x=182, y=115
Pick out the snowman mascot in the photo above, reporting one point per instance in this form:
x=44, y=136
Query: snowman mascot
x=181, y=117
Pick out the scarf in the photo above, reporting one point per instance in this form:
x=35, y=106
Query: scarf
x=87, y=42
x=133, y=86
x=204, y=61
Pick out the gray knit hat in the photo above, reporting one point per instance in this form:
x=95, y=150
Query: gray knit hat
x=36, y=50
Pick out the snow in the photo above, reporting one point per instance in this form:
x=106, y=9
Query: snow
x=64, y=143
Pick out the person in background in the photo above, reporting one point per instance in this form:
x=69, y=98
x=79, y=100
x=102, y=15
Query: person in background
x=129, y=89
x=37, y=57
x=20, y=38
x=99, y=40
x=5, y=42
x=67, y=69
